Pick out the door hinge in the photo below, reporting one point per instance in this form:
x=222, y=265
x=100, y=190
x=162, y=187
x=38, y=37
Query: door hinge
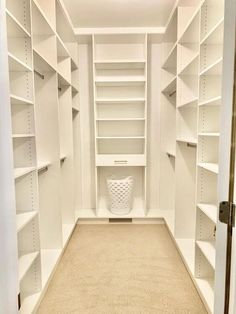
x=227, y=213
x=19, y=301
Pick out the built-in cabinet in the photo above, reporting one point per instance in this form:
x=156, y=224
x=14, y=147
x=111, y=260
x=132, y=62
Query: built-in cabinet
x=43, y=79
x=191, y=99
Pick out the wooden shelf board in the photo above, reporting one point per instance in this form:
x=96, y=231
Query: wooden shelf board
x=25, y=262
x=120, y=137
x=212, y=167
x=30, y=303
x=210, y=134
x=49, y=25
x=120, y=81
x=20, y=172
x=207, y=247
x=120, y=119
x=22, y=219
x=195, y=13
x=213, y=69
x=23, y=135
x=209, y=210
x=62, y=50
x=206, y=288
x=120, y=64
x=43, y=165
x=16, y=65
x=16, y=100
x=188, y=103
x=184, y=70
x=170, y=55
x=171, y=86
x=211, y=33
x=41, y=63
x=215, y=101
x=120, y=101
x=187, y=141
x=21, y=29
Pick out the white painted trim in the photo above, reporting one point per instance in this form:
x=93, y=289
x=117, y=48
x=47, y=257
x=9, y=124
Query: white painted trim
x=119, y=30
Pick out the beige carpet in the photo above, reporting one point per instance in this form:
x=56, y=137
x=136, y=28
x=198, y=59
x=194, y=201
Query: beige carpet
x=121, y=269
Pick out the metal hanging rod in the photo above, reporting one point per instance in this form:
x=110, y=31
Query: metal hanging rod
x=63, y=159
x=39, y=74
x=191, y=145
x=172, y=93
x=60, y=89
x=43, y=169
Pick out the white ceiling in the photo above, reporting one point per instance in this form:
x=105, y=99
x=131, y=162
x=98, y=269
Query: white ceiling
x=119, y=13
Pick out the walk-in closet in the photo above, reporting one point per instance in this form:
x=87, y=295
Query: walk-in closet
x=117, y=114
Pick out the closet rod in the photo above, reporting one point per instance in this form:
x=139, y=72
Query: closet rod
x=63, y=159
x=191, y=145
x=172, y=93
x=59, y=88
x=43, y=169
x=39, y=74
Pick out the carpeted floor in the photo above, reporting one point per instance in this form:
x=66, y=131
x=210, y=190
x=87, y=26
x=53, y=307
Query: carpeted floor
x=121, y=269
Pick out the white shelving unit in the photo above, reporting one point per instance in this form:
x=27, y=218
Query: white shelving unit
x=120, y=116
x=192, y=120
x=43, y=76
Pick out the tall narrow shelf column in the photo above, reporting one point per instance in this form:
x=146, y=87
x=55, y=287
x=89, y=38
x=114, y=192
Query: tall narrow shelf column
x=120, y=111
x=211, y=55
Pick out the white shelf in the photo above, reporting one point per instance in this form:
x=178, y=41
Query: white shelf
x=120, y=81
x=212, y=167
x=171, y=54
x=214, y=68
x=187, y=249
x=20, y=172
x=208, y=249
x=189, y=103
x=187, y=67
x=16, y=65
x=187, y=141
x=21, y=28
x=210, y=134
x=214, y=36
x=194, y=14
x=206, y=289
x=121, y=119
x=120, y=137
x=16, y=100
x=25, y=262
x=119, y=100
x=120, y=64
x=44, y=18
x=43, y=165
x=23, y=219
x=209, y=210
x=171, y=154
x=23, y=135
x=49, y=259
x=216, y=101
x=170, y=87
x=30, y=303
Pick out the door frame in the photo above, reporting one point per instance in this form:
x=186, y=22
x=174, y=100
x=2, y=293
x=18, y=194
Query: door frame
x=224, y=150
